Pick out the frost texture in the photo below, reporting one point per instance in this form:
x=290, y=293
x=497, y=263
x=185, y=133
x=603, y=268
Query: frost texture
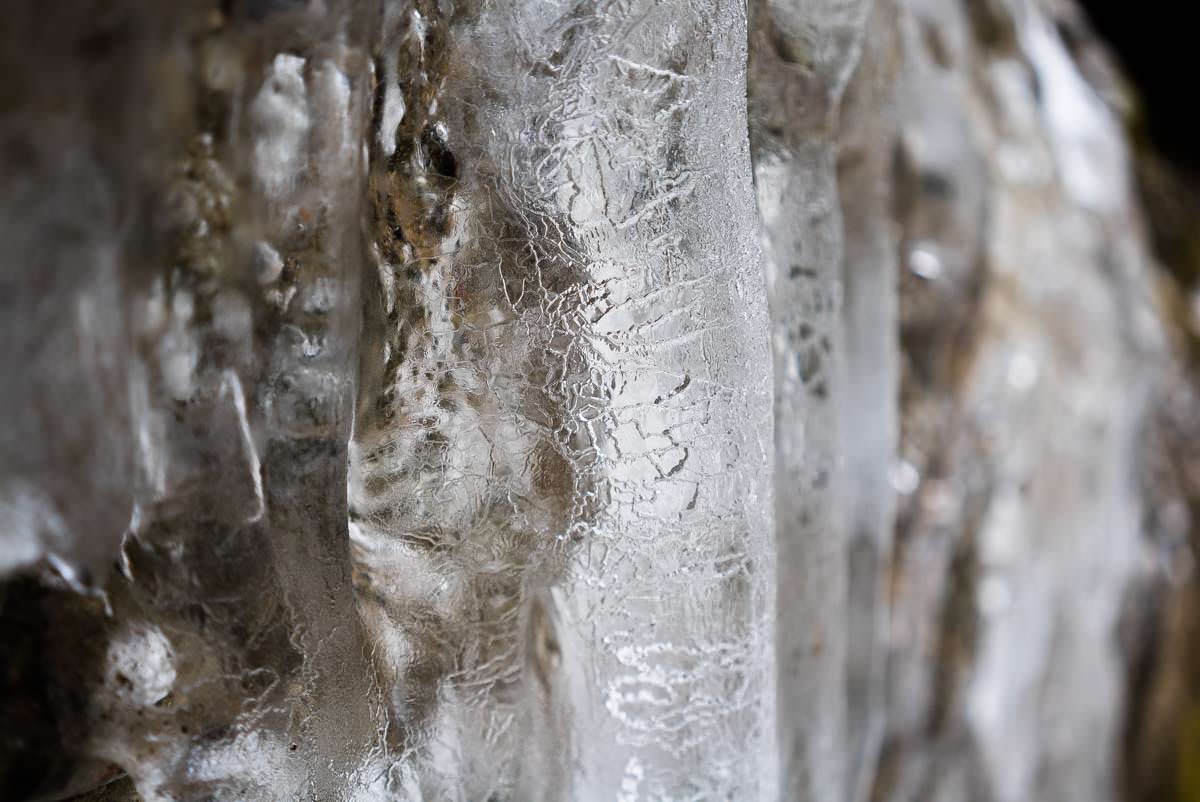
x=558, y=486
x=451, y=418
x=626, y=400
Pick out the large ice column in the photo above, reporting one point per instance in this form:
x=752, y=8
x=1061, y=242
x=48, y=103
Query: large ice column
x=869, y=396
x=561, y=487
x=1030, y=342
x=1064, y=388
x=801, y=57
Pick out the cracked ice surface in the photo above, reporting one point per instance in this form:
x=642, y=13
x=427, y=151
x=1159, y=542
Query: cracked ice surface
x=456, y=401
x=559, y=461
x=447, y=472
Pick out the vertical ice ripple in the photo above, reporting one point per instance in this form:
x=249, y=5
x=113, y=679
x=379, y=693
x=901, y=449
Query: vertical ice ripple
x=560, y=465
x=801, y=58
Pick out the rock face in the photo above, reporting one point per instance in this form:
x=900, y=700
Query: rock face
x=416, y=400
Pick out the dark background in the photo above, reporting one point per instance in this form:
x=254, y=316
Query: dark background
x=1158, y=44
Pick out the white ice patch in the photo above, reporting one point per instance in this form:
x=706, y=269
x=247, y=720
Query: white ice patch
x=268, y=264
x=393, y=115
x=280, y=112
x=905, y=478
x=337, y=147
x=1082, y=131
x=140, y=665
x=924, y=261
x=31, y=524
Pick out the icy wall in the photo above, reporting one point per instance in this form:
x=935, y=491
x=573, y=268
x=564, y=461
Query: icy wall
x=620, y=400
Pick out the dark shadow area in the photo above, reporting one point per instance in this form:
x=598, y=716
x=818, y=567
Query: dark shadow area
x=1156, y=45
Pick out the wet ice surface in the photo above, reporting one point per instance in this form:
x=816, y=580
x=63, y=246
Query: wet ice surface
x=558, y=485
x=479, y=403
x=1029, y=350
x=513, y=540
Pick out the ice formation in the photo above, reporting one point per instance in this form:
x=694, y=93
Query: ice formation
x=568, y=401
